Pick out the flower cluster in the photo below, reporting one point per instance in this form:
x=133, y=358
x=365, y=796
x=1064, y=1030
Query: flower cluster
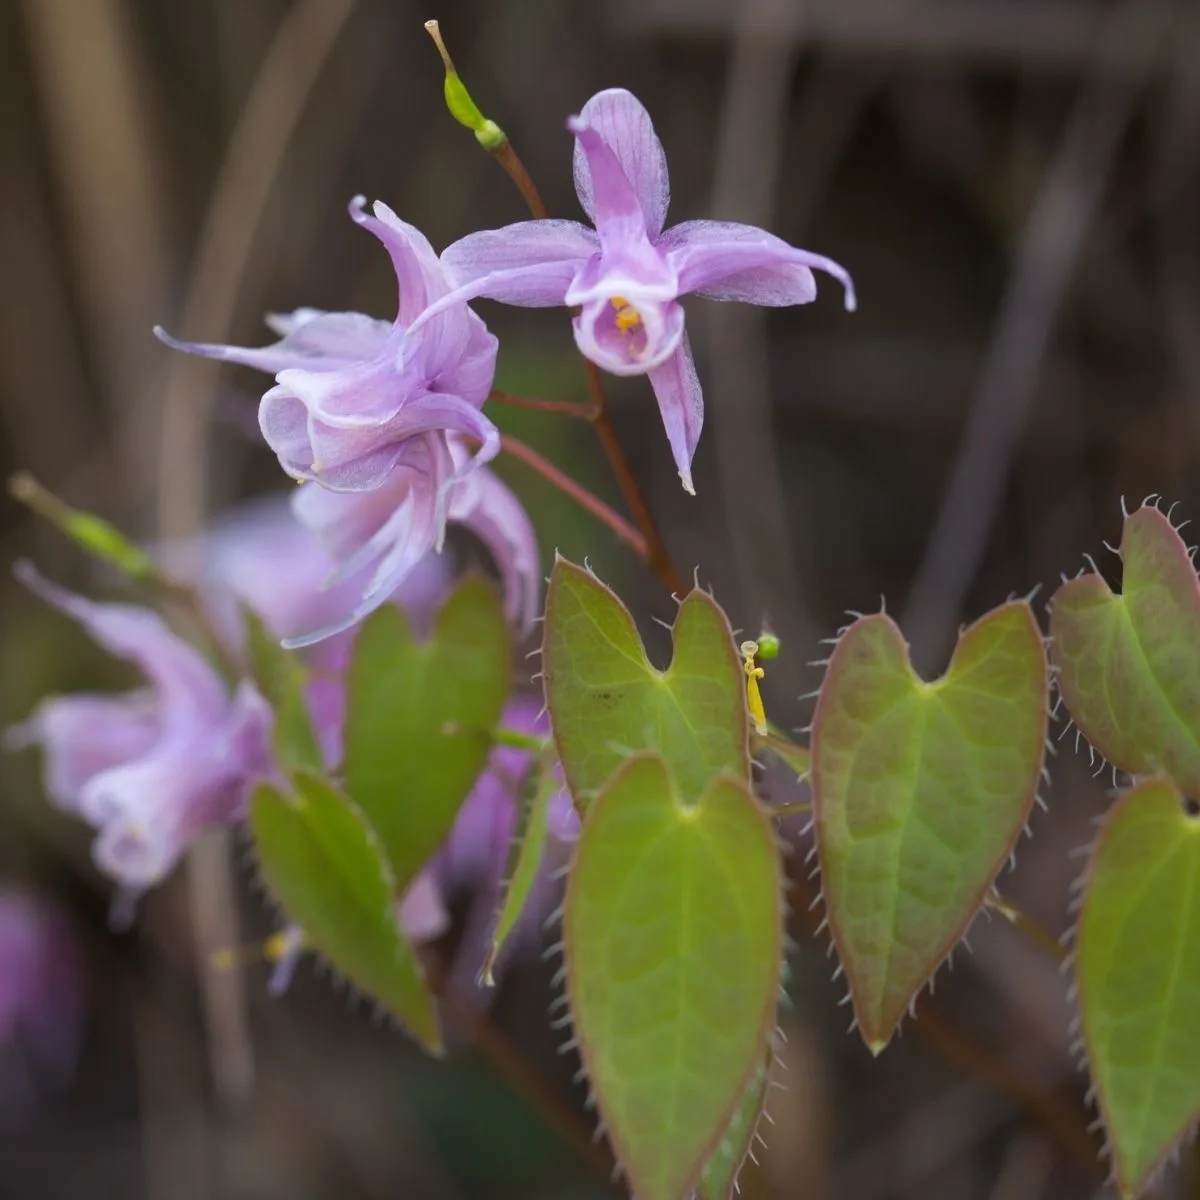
x=382, y=423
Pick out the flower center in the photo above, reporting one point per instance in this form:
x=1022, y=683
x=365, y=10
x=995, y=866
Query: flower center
x=628, y=318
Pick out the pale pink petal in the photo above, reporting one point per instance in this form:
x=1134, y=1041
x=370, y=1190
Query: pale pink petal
x=681, y=403
x=422, y=912
x=727, y=261
x=419, y=276
x=616, y=207
x=624, y=124
x=188, y=687
x=491, y=511
x=84, y=734
x=530, y=264
x=312, y=341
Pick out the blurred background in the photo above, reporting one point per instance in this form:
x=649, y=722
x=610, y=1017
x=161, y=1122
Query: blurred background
x=1014, y=185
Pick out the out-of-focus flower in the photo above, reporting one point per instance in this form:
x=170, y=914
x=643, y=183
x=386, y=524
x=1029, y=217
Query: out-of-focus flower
x=261, y=555
x=626, y=276
x=396, y=526
x=149, y=769
x=41, y=990
x=351, y=392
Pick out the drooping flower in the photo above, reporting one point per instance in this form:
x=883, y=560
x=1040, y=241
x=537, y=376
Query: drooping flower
x=396, y=526
x=351, y=392
x=626, y=276
x=41, y=992
x=148, y=769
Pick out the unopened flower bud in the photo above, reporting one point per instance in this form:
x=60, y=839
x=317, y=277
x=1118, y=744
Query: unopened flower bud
x=459, y=101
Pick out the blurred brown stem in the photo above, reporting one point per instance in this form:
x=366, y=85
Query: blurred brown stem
x=1037, y=933
x=561, y=480
x=654, y=549
x=564, y=408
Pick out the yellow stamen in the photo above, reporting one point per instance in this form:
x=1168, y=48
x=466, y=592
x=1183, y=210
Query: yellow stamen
x=272, y=950
x=753, y=696
x=628, y=317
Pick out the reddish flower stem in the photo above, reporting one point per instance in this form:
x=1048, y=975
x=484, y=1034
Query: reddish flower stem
x=583, y=412
x=547, y=470
x=653, y=548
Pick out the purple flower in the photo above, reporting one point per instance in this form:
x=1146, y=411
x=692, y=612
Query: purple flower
x=149, y=769
x=351, y=392
x=260, y=554
x=41, y=990
x=397, y=525
x=626, y=276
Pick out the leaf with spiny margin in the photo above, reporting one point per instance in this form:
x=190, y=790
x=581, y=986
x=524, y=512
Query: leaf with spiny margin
x=788, y=752
x=920, y=791
x=1137, y=968
x=281, y=678
x=530, y=849
x=325, y=866
x=673, y=946
x=719, y=1177
x=606, y=701
x=1129, y=663
x=419, y=718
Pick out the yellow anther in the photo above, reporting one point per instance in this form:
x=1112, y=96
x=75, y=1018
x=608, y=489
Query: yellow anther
x=753, y=696
x=628, y=318
x=272, y=950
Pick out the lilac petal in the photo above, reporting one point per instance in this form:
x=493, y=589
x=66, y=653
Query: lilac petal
x=188, y=687
x=312, y=341
x=422, y=913
x=624, y=124
x=287, y=957
x=681, y=403
x=530, y=264
x=283, y=420
x=472, y=372
x=616, y=207
x=727, y=261
x=82, y=735
x=491, y=511
x=419, y=275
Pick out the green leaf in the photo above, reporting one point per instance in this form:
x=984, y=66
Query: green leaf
x=606, y=701
x=281, y=678
x=1137, y=968
x=673, y=927
x=419, y=718
x=530, y=845
x=323, y=863
x=720, y=1173
x=1129, y=664
x=920, y=791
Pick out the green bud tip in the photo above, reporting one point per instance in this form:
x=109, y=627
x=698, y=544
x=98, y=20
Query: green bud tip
x=459, y=101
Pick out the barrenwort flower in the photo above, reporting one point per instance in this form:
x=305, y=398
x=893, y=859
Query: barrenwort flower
x=148, y=769
x=397, y=525
x=626, y=276
x=351, y=392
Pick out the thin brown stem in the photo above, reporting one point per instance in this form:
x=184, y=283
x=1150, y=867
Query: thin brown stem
x=656, y=553
x=507, y=157
x=583, y=412
x=1031, y=928
x=617, y=523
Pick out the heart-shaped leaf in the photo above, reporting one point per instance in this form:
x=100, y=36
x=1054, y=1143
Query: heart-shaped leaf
x=325, y=866
x=920, y=791
x=1129, y=664
x=672, y=928
x=530, y=846
x=1137, y=967
x=606, y=701
x=718, y=1180
x=419, y=718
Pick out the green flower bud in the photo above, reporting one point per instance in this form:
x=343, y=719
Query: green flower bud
x=460, y=102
